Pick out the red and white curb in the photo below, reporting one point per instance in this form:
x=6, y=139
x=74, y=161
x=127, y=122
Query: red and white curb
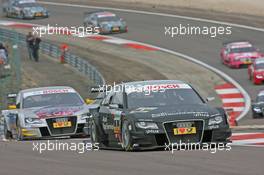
x=250, y=139
x=233, y=101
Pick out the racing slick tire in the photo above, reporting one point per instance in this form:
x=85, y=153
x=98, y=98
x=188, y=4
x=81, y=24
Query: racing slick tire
x=19, y=136
x=256, y=116
x=126, y=137
x=94, y=134
x=7, y=134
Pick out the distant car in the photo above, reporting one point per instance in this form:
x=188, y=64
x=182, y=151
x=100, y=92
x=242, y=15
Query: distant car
x=24, y=9
x=104, y=22
x=256, y=71
x=236, y=54
x=258, y=106
x=150, y=114
x=46, y=112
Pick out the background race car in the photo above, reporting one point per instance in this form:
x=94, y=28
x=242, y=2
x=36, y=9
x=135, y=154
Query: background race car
x=258, y=106
x=104, y=22
x=150, y=114
x=24, y=9
x=46, y=112
x=256, y=71
x=236, y=54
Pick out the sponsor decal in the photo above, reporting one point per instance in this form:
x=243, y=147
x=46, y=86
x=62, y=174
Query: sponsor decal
x=47, y=113
x=143, y=110
x=51, y=91
x=152, y=131
x=196, y=114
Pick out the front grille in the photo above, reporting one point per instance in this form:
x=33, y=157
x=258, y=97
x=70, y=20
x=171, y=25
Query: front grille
x=187, y=138
x=65, y=130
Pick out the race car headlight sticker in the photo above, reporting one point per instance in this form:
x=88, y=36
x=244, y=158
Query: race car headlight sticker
x=237, y=58
x=257, y=109
x=215, y=120
x=146, y=125
x=33, y=121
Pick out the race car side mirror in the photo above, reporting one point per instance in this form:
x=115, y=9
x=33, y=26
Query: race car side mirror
x=208, y=99
x=89, y=101
x=114, y=106
x=10, y=107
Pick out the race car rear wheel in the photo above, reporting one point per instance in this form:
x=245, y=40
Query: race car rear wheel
x=126, y=137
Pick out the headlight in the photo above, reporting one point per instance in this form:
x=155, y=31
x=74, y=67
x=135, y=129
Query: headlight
x=259, y=76
x=215, y=120
x=146, y=125
x=33, y=121
x=85, y=116
x=257, y=109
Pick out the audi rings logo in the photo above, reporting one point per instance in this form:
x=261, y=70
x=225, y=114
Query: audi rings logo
x=184, y=124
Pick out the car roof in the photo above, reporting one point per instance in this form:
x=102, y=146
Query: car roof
x=154, y=82
x=46, y=88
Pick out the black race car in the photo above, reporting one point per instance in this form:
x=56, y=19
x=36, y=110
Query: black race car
x=150, y=114
x=258, y=106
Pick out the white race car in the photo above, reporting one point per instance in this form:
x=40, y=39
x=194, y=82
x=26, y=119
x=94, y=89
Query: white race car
x=46, y=112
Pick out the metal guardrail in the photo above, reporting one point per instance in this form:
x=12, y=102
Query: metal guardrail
x=54, y=51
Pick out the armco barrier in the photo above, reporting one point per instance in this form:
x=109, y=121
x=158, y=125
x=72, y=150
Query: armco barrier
x=81, y=65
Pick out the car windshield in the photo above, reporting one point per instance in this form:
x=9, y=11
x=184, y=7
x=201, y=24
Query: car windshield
x=108, y=19
x=260, y=66
x=260, y=98
x=58, y=99
x=169, y=97
x=243, y=50
x=28, y=5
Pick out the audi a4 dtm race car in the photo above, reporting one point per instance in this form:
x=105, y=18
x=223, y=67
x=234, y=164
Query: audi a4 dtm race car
x=24, y=9
x=258, y=106
x=256, y=71
x=150, y=114
x=236, y=54
x=104, y=22
x=46, y=112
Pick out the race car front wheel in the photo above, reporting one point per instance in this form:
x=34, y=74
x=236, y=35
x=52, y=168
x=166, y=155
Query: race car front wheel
x=94, y=133
x=19, y=136
x=7, y=134
x=126, y=137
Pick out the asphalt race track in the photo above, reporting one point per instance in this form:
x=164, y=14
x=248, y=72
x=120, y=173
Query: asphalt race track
x=18, y=157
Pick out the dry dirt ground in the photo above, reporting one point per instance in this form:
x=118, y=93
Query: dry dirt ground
x=48, y=72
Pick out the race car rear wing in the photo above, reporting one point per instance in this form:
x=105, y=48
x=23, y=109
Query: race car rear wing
x=11, y=95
